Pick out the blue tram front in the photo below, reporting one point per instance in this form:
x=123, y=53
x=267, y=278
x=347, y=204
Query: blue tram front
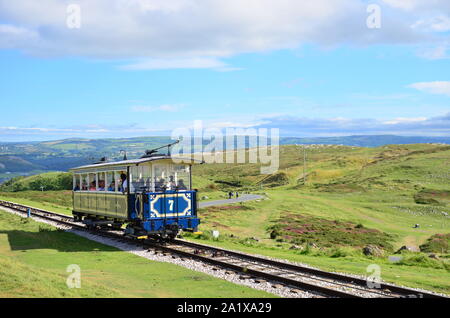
x=152, y=195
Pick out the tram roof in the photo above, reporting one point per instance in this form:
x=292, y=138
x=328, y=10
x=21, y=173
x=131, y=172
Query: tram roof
x=133, y=162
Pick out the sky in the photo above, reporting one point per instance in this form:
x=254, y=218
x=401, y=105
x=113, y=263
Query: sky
x=116, y=68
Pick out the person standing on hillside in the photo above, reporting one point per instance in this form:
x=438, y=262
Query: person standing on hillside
x=237, y=195
x=230, y=195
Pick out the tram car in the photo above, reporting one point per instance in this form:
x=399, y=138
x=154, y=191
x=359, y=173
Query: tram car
x=152, y=195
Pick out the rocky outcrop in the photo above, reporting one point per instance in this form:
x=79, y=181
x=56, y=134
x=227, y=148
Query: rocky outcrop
x=373, y=250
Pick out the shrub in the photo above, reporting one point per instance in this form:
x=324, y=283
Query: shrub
x=276, y=180
x=46, y=182
x=338, y=252
x=420, y=260
x=438, y=243
x=298, y=229
x=427, y=196
x=9, y=185
x=307, y=250
x=275, y=231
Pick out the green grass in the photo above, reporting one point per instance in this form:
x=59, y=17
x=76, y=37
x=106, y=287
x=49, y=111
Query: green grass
x=413, y=274
x=353, y=196
x=386, y=212
x=375, y=188
x=56, y=201
x=34, y=258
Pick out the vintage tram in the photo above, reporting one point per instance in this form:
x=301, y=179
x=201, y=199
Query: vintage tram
x=152, y=196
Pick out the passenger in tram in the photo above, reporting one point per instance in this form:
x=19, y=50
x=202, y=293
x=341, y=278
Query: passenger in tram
x=124, y=186
x=160, y=185
x=93, y=187
x=101, y=185
x=140, y=184
x=112, y=187
x=181, y=185
x=171, y=185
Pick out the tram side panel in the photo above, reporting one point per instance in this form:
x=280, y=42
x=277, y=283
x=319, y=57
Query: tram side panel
x=162, y=210
x=106, y=205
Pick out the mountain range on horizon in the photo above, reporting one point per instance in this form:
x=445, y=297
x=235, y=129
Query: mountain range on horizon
x=350, y=140
x=27, y=158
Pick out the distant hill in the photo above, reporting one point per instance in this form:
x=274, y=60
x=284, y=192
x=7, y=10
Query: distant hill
x=28, y=158
x=340, y=169
x=16, y=164
x=365, y=141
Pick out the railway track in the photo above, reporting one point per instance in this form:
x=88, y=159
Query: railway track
x=260, y=269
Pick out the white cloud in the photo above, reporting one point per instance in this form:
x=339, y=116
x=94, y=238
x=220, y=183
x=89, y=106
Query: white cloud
x=157, y=34
x=36, y=129
x=288, y=126
x=433, y=87
x=420, y=126
x=435, y=53
x=439, y=23
x=401, y=120
x=12, y=36
x=424, y=5
x=431, y=18
x=403, y=4
x=165, y=108
x=187, y=63
x=372, y=97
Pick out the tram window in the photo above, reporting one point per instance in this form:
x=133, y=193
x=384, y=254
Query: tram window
x=117, y=181
x=110, y=182
x=92, y=179
x=84, y=182
x=181, y=174
x=172, y=177
x=76, y=182
x=147, y=176
x=135, y=180
x=160, y=177
x=101, y=181
x=140, y=178
x=123, y=182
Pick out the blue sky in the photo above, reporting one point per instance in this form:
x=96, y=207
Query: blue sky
x=258, y=66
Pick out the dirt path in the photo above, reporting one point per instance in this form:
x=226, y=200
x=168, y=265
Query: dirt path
x=242, y=198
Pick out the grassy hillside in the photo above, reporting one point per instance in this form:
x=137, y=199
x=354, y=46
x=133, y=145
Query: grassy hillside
x=56, y=201
x=341, y=169
x=353, y=198
x=49, y=181
x=377, y=187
